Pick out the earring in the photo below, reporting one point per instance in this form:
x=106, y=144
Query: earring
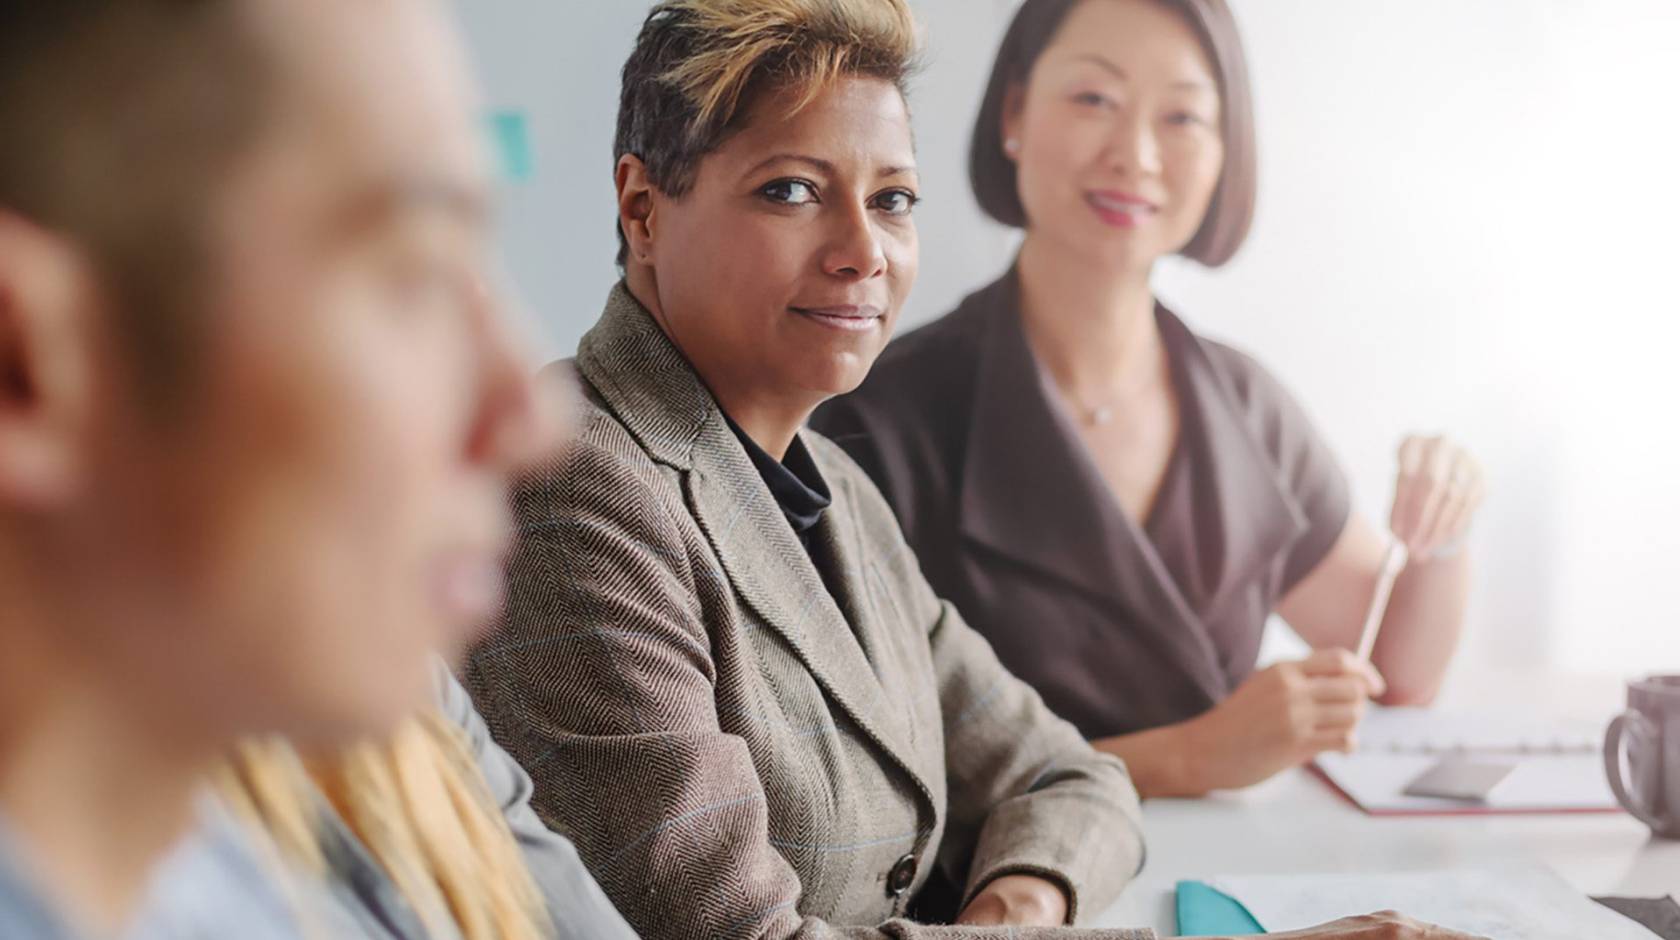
x=1012, y=146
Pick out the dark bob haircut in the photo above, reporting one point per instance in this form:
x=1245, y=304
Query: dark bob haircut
x=1035, y=26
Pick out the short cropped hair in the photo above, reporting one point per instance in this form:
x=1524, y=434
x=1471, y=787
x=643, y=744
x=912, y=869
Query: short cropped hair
x=1229, y=215
x=700, y=65
x=120, y=119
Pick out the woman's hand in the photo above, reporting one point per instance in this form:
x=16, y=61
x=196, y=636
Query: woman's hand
x=1384, y=926
x=1017, y=900
x=1439, y=489
x=1281, y=717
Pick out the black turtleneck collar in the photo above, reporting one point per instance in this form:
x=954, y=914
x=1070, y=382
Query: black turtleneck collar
x=794, y=481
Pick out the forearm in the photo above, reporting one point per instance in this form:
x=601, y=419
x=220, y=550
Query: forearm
x=1162, y=761
x=1421, y=630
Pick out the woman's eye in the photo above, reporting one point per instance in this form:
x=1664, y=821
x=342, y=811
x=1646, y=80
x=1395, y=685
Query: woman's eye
x=790, y=192
x=897, y=202
x=1091, y=99
x=1185, y=119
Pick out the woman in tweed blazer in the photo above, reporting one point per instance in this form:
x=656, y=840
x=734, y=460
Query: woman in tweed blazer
x=720, y=663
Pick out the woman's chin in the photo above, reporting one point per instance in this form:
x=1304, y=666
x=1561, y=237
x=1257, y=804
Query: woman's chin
x=834, y=376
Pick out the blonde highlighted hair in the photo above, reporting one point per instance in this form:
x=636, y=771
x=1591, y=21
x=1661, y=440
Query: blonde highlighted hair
x=699, y=66
x=420, y=805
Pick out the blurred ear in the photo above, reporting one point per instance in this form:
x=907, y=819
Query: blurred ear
x=635, y=207
x=1009, y=123
x=46, y=365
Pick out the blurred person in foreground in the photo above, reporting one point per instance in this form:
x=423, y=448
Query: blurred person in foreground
x=257, y=416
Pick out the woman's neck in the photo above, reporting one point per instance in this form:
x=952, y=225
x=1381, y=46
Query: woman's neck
x=95, y=794
x=771, y=420
x=1092, y=327
x=771, y=424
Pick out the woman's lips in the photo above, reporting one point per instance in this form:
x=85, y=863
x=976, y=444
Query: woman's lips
x=850, y=319
x=1120, y=210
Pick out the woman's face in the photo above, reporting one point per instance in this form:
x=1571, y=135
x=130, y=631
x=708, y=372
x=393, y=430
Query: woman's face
x=781, y=273
x=332, y=512
x=1117, y=134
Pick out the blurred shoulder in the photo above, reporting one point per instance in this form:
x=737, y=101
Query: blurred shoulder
x=1250, y=384
x=603, y=465
x=938, y=356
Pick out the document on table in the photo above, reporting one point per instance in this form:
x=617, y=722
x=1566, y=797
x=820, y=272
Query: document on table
x=1428, y=731
x=1513, y=903
x=1558, y=768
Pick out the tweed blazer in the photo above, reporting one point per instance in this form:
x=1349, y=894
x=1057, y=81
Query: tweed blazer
x=736, y=751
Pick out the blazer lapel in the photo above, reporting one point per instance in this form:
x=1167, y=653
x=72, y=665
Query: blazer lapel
x=774, y=574
x=1237, y=490
x=646, y=382
x=1031, y=493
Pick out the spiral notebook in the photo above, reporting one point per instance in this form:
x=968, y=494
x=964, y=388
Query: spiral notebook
x=1557, y=765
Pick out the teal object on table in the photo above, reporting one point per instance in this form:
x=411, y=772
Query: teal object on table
x=510, y=141
x=1204, y=912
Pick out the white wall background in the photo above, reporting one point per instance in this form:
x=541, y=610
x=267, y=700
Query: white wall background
x=1468, y=223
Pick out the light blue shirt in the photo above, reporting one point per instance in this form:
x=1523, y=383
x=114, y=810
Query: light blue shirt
x=218, y=884
x=212, y=879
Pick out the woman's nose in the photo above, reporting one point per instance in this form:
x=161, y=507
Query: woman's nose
x=854, y=249
x=1134, y=146
x=518, y=418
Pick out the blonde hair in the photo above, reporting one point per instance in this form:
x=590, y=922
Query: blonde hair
x=801, y=45
x=420, y=805
x=699, y=65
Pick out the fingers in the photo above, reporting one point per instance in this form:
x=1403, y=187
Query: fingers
x=1425, y=467
x=1335, y=702
x=1340, y=742
x=1438, y=530
x=1339, y=663
x=1389, y=925
x=1468, y=488
x=1437, y=487
x=1336, y=719
x=1408, y=501
x=1437, y=493
x=1341, y=690
x=1335, y=727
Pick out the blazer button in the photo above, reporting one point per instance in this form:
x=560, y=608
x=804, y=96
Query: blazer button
x=902, y=876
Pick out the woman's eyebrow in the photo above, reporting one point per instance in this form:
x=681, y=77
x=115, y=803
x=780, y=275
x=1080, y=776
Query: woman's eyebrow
x=1093, y=59
x=816, y=163
x=826, y=167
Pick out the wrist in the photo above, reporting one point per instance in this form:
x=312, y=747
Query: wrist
x=1162, y=762
x=1454, y=552
x=1187, y=763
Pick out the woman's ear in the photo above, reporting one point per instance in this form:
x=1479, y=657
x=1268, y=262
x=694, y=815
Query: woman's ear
x=636, y=209
x=46, y=365
x=1014, y=101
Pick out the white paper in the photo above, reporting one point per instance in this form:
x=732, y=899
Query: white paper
x=1428, y=731
x=1540, y=783
x=1515, y=903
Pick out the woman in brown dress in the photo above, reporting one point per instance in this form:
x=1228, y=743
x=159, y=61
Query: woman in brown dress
x=1117, y=503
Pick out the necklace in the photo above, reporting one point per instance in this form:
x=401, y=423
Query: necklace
x=1100, y=415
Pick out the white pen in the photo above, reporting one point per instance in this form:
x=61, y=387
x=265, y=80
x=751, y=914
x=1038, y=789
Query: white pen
x=1394, y=561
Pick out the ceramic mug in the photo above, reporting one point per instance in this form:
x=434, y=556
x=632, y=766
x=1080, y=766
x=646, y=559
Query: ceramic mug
x=1648, y=734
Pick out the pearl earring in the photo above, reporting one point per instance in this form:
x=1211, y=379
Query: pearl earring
x=1012, y=146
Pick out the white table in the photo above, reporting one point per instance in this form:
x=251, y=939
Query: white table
x=1296, y=824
